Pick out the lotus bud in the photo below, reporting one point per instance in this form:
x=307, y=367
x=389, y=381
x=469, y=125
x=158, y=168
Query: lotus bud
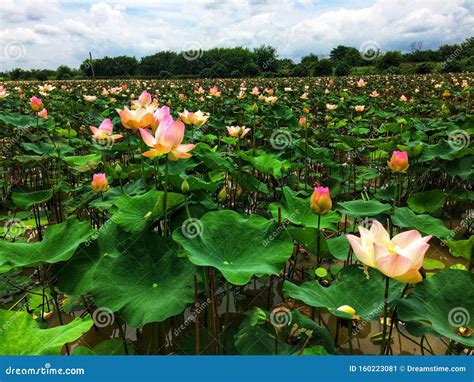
x=99, y=182
x=185, y=186
x=118, y=169
x=320, y=201
x=399, y=161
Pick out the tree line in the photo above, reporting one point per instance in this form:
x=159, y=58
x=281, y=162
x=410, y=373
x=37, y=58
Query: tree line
x=263, y=61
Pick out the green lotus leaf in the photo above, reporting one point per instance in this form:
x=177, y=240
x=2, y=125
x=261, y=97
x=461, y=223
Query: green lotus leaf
x=362, y=290
x=361, y=208
x=267, y=163
x=338, y=247
x=426, y=224
x=297, y=211
x=21, y=335
x=135, y=213
x=442, y=303
x=24, y=200
x=427, y=201
x=59, y=244
x=83, y=163
x=239, y=247
x=148, y=282
x=461, y=248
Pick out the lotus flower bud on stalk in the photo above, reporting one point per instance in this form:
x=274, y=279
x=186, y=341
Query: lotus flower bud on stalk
x=36, y=104
x=303, y=122
x=320, y=201
x=398, y=162
x=99, y=182
x=185, y=186
x=43, y=114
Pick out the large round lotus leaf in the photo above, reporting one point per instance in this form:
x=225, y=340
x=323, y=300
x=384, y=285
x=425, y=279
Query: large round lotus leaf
x=297, y=211
x=361, y=208
x=239, y=247
x=21, y=335
x=426, y=224
x=267, y=163
x=137, y=212
x=442, y=303
x=25, y=200
x=83, y=163
x=293, y=328
x=148, y=282
x=427, y=201
x=461, y=248
x=59, y=243
x=362, y=289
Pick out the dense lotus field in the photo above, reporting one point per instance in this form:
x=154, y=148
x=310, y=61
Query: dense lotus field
x=310, y=216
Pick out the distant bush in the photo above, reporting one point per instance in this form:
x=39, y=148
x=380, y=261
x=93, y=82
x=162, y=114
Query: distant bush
x=342, y=69
x=423, y=68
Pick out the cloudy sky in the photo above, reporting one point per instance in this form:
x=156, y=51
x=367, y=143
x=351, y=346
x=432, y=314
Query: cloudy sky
x=47, y=33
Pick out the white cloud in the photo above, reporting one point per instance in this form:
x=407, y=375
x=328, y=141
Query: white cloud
x=64, y=32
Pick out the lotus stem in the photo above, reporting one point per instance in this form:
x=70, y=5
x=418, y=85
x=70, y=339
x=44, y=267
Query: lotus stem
x=385, y=309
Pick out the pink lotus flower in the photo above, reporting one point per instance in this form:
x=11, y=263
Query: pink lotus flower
x=142, y=117
x=104, y=132
x=361, y=83
x=304, y=96
x=99, y=182
x=237, y=131
x=403, y=98
x=200, y=90
x=302, y=122
x=399, y=258
x=89, y=98
x=43, y=114
x=197, y=118
x=399, y=161
x=181, y=96
x=331, y=106
x=3, y=92
x=374, y=94
x=167, y=140
x=143, y=101
x=359, y=108
x=255, y=91
x=36, y=104
x=214, y=92
x=320, y=201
